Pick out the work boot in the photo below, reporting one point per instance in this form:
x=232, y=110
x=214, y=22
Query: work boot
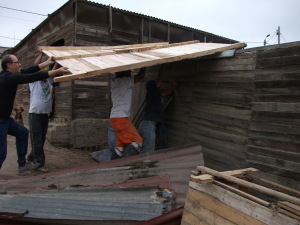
x=27, y=167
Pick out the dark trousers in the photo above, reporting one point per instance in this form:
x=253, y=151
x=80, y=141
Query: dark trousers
x=11, y=127
x=38, y=125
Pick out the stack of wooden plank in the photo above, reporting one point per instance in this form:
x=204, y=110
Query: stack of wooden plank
x=231, y=197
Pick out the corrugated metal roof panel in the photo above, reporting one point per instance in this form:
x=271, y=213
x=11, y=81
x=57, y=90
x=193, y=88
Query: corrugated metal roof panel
x=175, y=163
x=138, y=204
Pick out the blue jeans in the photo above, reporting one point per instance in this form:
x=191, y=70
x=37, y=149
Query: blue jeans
x=11, y=127
x=147, y=131
x=38, y=129
x=111, y=138
x=161, y=137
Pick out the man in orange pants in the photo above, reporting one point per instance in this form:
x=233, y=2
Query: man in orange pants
x=122, y=84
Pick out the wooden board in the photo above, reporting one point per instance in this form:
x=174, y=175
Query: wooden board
x=86, y=62
x=211, y=204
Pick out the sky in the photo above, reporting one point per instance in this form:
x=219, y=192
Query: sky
x=248, y=21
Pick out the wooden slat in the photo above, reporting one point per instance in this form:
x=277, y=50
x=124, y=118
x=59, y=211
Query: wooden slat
x=65, y=52
x=290, y=207
x=206, y=178
x=63, y=48
x=250, y=185
x=139, y=59
x=240, y=204
x=288, y=213
x=215, y=206
x=242, y=193
x=274, y=185
x=195, y=214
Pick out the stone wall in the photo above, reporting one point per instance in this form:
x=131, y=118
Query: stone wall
x=79, y=133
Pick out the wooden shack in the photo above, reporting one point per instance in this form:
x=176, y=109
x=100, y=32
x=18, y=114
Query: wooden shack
x=243, y=107
x=82, y=106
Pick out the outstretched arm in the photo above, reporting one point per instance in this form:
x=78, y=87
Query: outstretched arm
x=59, y=71
x=39, y=58
x=48, y=62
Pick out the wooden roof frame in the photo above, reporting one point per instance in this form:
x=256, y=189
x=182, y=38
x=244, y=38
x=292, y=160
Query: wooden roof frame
x=89, y=61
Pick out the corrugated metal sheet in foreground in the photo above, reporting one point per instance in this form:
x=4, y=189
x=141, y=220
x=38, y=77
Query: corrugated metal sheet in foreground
x=175, y=163
x=97, y=203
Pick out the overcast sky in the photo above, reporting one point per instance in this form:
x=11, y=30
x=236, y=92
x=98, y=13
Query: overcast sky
x=248, y=21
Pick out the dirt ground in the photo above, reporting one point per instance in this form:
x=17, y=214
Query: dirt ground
x=57, y=158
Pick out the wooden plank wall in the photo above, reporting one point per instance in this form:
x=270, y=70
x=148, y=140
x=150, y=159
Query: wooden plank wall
x=221, y=109
x=98, y=24
x=91, y=98
x=213, y=106
x=274, y=140
x=243, y=110
x=63, y=101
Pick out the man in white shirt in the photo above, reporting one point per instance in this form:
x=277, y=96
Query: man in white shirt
x=122, y=84
x=40, y=107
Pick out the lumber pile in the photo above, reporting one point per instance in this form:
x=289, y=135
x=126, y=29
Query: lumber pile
x=234, y=197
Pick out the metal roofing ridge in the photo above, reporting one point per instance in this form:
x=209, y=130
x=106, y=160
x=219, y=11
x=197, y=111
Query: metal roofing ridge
x=56, y=11
x=155, y=18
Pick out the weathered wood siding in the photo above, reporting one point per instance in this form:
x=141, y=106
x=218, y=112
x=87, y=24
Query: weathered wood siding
x=244, y=110
x=213, y=106
x=98, y=24
x=91, y=98
x=274, y=140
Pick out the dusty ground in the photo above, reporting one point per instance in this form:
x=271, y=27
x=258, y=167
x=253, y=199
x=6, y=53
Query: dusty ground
x=57, y=158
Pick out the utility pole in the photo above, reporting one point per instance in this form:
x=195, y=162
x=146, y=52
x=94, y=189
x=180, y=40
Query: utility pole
x=278, y=34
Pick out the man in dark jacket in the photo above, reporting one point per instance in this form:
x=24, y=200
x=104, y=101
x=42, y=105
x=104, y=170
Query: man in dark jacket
x=10, y=77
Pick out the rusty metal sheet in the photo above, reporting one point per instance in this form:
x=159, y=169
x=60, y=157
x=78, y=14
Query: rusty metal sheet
x=176, y=163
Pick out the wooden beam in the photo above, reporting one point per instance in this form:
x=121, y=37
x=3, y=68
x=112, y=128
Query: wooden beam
x=288, y=213
x=243, y=194
x=290, y=207
x=259, y=212
x=197, y=200
x=274, y=185
x=207, y=178
x=63, y=48
x=135, y=60
x=101, y=51
x=251, y=185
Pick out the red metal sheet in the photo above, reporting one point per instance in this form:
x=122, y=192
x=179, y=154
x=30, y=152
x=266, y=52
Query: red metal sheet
x=175, y=162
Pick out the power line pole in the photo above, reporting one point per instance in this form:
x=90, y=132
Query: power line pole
x=278, y=34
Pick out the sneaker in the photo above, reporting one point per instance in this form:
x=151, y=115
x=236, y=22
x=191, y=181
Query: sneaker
x=130, y=150
x=114, y=155
x=42, y=169
x=27, y=167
